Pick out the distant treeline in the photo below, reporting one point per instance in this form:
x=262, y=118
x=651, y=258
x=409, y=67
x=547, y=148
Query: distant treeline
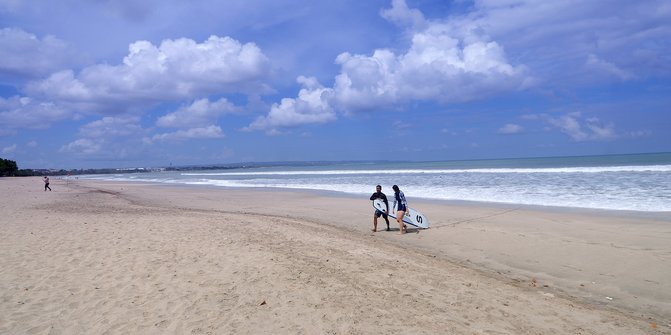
x=8, y=168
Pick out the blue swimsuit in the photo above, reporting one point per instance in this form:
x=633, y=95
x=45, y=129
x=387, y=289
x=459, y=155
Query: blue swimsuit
x=402, y=203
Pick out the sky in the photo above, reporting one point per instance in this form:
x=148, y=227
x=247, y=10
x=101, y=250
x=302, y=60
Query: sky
x=125, y=83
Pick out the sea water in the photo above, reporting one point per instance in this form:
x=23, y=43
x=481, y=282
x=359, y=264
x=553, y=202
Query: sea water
x=617, y=182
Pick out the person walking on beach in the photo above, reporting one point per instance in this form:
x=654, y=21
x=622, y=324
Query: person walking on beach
x=399, y=198
x=46, y=184
x=379, y=195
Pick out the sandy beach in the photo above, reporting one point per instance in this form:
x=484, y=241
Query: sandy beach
x=129, y=258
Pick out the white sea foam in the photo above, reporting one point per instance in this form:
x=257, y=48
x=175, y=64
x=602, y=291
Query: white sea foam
x=545, y=195
x=614, y=187
x=597, y=169
x=540, y=197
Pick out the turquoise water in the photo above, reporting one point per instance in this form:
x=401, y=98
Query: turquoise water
x=618, y=182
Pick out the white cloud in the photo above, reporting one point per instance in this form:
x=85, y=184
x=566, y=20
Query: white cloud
x=25, y=55
x=31, y=144
x=112, y=127
x=600, y=131
x=554, y=38
x=573, y=125
x=311, y=106
x=438, y=66
x=176, y=69
x=400, y=14
x=23, y=112
x=200, y=113
x=109, y=138
x=9, y=149
x=441, y=64
x=510, y=128
x=400, y=125
x=193, y=133
x=569, y=125
x=599, y=65
x=639, y=133
x=449, y=131
x=83, y=146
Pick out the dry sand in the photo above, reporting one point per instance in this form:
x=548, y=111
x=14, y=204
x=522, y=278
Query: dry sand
x=114, y=258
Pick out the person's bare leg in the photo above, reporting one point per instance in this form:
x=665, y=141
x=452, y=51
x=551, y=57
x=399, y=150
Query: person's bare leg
x=399, y=219
x=374, y=223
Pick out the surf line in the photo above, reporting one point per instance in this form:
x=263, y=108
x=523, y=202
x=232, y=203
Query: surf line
x=453, y=224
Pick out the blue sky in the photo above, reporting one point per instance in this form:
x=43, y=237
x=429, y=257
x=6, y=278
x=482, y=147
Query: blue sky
x=123, y=83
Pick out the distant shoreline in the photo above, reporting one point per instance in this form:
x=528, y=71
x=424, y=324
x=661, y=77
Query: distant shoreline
x=418, y=200
x=245, y=165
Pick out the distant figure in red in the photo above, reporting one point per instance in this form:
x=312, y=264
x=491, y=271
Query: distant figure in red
x=46, y=184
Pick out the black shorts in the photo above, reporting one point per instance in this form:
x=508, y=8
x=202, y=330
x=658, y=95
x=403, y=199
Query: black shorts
x=379, y=213
x=401, y=208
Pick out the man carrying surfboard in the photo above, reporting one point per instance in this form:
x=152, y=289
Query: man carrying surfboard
x=399, y=198
x=379, y=195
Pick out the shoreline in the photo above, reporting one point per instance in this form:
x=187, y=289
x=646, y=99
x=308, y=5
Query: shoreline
x=654, y=215
x=532, y=265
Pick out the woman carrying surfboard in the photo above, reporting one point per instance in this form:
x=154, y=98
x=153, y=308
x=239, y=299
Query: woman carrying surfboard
x=399, y=198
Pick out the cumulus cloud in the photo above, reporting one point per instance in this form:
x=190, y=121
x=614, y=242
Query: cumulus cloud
x=26, y=55
x=112, y=127
x=510, y=128
x=400, y=14
x=83, y=146
x=109, y=137
x=122, y=138
x=442, y=65
x=24, y=112
x=438, y=66
x=577, y=30
x=310, y=107
x=200, y=113
x=176, y=69
x=578, y=128
x=600, y=130
x=193, y=133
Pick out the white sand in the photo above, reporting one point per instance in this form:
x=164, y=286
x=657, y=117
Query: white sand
x=114, y=258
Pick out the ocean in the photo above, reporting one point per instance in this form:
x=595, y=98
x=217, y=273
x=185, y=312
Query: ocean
x=640, y=182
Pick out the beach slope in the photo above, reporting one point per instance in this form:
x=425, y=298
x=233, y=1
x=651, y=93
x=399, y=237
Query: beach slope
x=95, y=257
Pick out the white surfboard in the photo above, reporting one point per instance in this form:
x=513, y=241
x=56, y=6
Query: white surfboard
x=379, y=205
x=411, y=217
